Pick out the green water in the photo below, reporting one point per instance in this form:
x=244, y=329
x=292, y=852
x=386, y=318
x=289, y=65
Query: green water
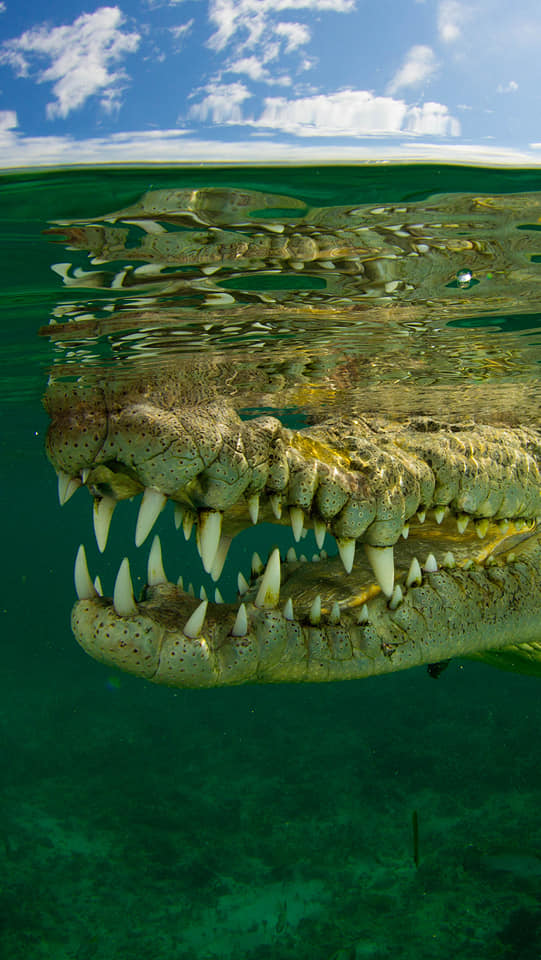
x=258, y=822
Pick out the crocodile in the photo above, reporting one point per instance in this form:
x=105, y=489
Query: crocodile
x=436, y=524
x=424, y=525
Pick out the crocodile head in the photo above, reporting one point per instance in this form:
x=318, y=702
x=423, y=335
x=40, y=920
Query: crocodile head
x=434, y=524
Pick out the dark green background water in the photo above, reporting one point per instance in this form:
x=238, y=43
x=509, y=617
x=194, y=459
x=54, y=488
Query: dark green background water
x=259, y=822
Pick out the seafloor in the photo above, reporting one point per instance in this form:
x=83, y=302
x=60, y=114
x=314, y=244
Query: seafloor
x=245, y=824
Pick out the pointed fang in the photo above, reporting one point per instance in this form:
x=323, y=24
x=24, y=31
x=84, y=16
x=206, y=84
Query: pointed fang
x=66, y=486
x=84, y=587
x=240, y=627
x=296, y=517
x=253, y=507
x=319, y=532
x=315, y=611
x=415, y=575
x=269, y=590
x=123, y=600
x=102, y=513
x=396, y=598
x=346, y=549
x=151, y=506
x=194, y=626
x=381, y=559
x=288, y=610
x=209, y=530
x=155, y=571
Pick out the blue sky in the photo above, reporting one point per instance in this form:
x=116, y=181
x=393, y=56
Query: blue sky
x=266, y=80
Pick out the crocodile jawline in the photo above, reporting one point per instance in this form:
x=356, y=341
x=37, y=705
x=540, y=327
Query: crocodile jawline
x=367, y=482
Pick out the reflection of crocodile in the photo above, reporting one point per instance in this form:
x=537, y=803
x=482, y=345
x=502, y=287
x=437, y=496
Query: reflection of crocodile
x=464, y=582
x=217, y=247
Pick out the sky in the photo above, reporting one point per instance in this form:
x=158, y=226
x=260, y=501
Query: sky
x=269, y=80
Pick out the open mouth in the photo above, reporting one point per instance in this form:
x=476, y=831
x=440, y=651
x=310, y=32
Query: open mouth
x=306, y=588
x=400, y=531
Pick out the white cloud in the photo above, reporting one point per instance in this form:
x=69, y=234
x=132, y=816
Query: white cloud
x=251, y=66
x=81, y=55
x=452, y=16
x=253, y=17
x=182, y=31
x=510, y=87
x=419, y=65
x=8, y=121
x=3, y=7
x=176, y=146
x=355, y=113
x=222, y=103
x=296, y=34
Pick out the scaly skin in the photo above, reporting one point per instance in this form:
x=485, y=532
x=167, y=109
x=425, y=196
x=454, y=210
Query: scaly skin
x=362, y=479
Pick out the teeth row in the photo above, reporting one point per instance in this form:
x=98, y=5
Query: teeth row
x=213, y=547
x=267, y=596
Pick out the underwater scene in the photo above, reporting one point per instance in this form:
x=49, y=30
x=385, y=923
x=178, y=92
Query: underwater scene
x=271, y=473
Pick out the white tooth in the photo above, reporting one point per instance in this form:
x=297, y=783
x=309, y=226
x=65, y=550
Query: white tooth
x=178, y=515
x=363, y=614
x=209, y=530
x=296, y=517
x=430, y=565
x=439, y=514
x=414, y=573
x=503, y=526
x=191, y=590
x=123, y=601
x=242, y=584
x=151, y=506
x=405, y=531
x=335, y=613
x=315, y=611
x=103, y=511
x=155, y=571
x=291, y=555
x=462, y=522
x=66, y=486
x=180, y=583
x=84, y=587
x=421, y=516
x=346, y=549
x=323, y=555
x=253, y=507
x=217, y=596
x=381, y=559
x=316, y=558
x=396, y=598
x=98, y=587
x=220, y=558
x=194, y=626
x=257, y=565
x=481, y=528
x=449, y=560
x=276, y=505
x=203, y=594
x=269, y=590
x=85, y=473
x=288, y=610
x=319, y=532
x=240, y=627
x=303, y=558
x=187, y=525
